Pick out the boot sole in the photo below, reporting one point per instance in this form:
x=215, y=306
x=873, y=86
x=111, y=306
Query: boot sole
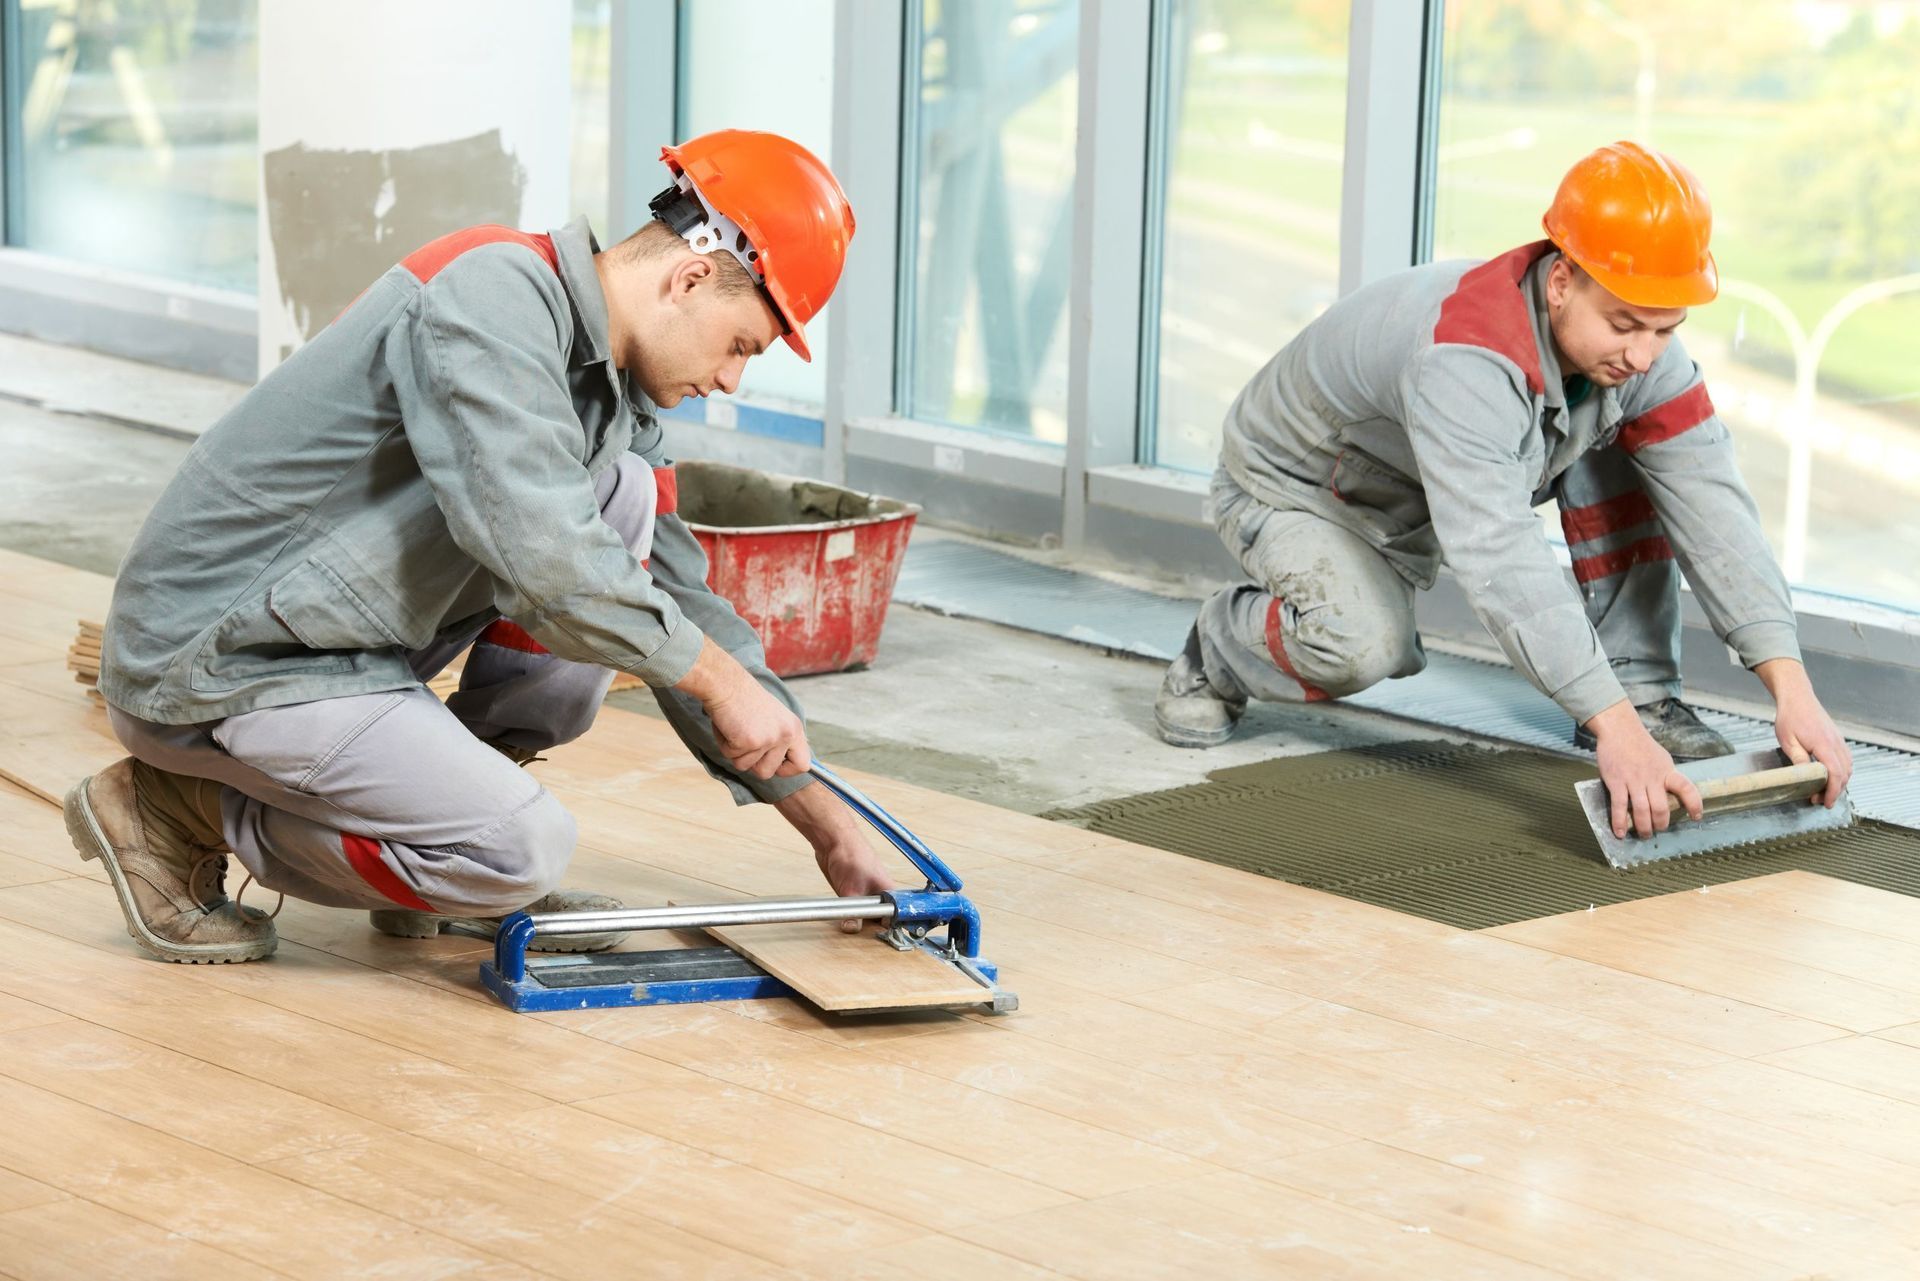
x=416, y=925
x=83, y=829
x=1177, y=737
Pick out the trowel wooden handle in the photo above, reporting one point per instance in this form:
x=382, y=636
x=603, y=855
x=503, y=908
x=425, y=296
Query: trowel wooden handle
x=1750, y=791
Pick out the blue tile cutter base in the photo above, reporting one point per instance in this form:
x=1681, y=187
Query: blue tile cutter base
x=683, y=975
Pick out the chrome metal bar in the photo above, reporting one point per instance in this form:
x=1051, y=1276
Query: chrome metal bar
x=871, y=907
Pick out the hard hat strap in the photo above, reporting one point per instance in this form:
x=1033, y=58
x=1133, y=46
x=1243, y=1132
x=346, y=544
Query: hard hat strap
x=704, y=228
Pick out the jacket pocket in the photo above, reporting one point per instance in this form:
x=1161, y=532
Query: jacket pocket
x=1358, y=481
x=323, y=612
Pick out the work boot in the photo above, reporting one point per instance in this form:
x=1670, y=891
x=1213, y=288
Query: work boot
x=1188, y=711
x=159, y=837
x=1674, y=726
x=425, y=925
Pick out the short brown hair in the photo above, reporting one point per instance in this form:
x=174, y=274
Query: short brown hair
x=657, y=240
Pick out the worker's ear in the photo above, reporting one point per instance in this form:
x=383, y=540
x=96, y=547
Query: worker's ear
x=1560, y=282
x=690, y=273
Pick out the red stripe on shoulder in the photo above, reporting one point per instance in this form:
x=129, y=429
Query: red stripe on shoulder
x=427, y=261
x=1663, y=422
x=1488, y=308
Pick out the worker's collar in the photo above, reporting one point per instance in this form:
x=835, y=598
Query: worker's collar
x=574, y=245
x=1535, y=286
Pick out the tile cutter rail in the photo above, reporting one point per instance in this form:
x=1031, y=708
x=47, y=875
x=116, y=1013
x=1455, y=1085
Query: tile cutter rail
x=682, y=975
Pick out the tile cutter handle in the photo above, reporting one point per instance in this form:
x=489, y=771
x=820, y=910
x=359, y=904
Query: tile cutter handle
x=939, y=875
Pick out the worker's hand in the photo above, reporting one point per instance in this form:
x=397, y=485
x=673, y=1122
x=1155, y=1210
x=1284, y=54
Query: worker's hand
x=1638, y=773
x=1803, y=727
x=758, y=734
x=840, y=847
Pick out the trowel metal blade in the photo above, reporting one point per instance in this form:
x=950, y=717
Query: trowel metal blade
x=1716, y=831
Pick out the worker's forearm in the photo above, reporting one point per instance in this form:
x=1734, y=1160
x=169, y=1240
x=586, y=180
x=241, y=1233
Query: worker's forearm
x=714, y=677
x=819, y=816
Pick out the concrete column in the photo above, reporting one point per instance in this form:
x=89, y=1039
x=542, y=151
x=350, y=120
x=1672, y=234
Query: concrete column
x=383, y=126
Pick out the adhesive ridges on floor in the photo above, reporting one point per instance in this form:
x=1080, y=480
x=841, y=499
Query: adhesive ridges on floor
x=1468, y=836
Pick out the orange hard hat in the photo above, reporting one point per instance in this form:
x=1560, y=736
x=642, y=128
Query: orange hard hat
x=773, y=205
x=1638, y=222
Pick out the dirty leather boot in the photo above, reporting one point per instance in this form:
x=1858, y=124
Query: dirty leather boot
x=425, y=925
x=159, y=837
x=1674, y=726
x=1188, y=711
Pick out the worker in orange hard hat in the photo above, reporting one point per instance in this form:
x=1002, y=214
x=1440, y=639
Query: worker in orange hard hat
x=467, y=456
x=1423, y=418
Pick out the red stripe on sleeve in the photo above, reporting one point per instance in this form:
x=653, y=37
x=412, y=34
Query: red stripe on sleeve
x=510, y=635
x=1663, y=422
x=1279, y=651
x=1619, y=561
x=1583, y=524
x=427, y=261
x=364, y=854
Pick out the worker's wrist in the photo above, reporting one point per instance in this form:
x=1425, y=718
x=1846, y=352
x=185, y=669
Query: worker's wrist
x=1785, y=678
x=714, y=676
x=1611, y=722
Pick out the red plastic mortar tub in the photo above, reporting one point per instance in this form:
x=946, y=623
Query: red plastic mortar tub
x=810, y=565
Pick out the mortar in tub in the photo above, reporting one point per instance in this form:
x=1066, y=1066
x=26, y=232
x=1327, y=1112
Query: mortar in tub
x=810, y=566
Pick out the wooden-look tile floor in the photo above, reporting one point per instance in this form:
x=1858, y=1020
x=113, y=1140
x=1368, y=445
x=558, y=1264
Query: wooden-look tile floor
x=1212, y=1074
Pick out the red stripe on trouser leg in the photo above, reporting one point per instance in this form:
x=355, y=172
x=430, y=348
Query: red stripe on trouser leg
x=1607, y=564
x=364, y=854
x=1584, y=524
x=510, y=635
x=1279, y=651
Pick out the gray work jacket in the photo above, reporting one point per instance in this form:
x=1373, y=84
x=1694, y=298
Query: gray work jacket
x=426, y=464
x=1426, y=413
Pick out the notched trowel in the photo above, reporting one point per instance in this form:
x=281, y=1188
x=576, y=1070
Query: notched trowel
x=1746, y=797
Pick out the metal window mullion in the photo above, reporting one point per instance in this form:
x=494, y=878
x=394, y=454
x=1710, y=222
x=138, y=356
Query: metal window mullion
x=1109, y=242
x=870, y=112
x=643, y=75
x=13, y=161
x=1380, y=190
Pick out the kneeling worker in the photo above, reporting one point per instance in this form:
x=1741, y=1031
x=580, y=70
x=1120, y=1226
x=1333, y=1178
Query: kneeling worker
x=467, y=455
x=1424, y=416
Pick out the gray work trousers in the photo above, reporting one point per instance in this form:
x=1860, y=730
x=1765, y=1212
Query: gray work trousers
x=393, y=799
x=1327, y=615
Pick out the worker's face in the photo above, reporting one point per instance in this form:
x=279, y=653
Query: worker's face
x=1600, y=336
x=699, y=339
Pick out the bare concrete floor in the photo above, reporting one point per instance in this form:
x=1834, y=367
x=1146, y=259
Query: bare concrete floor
x=1022, y=721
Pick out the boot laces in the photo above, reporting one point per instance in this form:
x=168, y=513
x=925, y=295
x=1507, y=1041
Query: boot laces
x=214, y=893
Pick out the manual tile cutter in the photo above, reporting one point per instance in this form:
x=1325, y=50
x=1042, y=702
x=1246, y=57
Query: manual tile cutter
x=682, y=975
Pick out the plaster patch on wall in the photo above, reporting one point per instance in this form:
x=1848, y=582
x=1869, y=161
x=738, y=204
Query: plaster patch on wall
x=340, y=219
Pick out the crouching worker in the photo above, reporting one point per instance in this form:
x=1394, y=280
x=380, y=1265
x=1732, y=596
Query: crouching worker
x=1424, y=416
x=467, y=455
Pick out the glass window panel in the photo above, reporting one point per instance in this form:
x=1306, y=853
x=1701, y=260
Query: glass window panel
x=1254, y=118
x=1802, y=122
x=746, y=64
x=137, y=135
x=991, y=214
x=592, y=51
